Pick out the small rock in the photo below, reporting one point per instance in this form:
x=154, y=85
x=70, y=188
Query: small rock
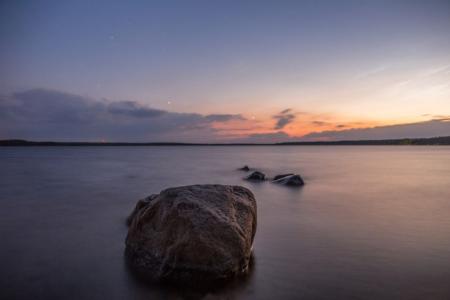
x=245, y=168
x=281, y=176
x=290, y=180
x=259, y=176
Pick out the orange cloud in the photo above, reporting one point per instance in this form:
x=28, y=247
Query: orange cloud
x=294, y=124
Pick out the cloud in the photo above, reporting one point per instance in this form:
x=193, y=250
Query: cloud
x=224, y=117
x=441, y=117
x=283, y=118
x=320, y=123
x=134, y=109
x=431, y=128
x=42, y=114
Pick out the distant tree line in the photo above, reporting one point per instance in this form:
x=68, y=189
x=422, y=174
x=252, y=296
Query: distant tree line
x=444, y=140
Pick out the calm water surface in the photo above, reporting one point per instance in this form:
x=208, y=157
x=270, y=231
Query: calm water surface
x=370, y=223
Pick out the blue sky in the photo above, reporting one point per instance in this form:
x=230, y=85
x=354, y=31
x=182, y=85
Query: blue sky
x=336, y=64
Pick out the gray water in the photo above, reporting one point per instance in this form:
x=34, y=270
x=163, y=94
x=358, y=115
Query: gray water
x=370, y=223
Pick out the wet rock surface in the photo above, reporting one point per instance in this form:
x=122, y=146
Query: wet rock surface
x=256, y=176
x=193, y=233
x=290, y=180
x=282, y=175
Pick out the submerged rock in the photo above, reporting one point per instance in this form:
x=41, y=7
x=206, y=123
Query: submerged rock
x=193, y=233
x=290, y=180
x=256, y=176
x=281, y=176
x=245, y=168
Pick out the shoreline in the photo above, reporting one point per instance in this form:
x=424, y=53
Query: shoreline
x=434, y=141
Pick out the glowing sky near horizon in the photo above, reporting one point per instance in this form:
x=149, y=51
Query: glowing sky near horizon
x=334, y=64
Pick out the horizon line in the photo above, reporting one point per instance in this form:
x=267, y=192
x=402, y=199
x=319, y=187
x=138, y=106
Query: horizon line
x=439, y=140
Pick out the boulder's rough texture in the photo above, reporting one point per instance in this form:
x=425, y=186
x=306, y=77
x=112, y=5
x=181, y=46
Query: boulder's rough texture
x=256, y=176
x=245, y=168
x=139, y=205
x=290, y=180
x=281, y=176
x=193, y=233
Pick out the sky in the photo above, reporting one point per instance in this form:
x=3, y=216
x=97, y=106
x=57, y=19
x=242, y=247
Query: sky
x=224, y=71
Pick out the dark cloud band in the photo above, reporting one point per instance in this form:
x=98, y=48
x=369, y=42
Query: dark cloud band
x=49, y=114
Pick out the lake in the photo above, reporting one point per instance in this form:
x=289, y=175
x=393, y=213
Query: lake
x=372, y=222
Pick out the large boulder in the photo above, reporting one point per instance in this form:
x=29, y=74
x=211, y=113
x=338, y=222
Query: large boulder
x=140, y=205
x=193, y=233
x=290, y=180
x=256, y=176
